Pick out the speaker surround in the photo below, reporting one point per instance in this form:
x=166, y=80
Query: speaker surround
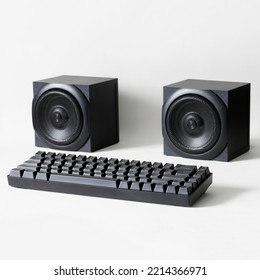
x=206, y=119
x=75, y=113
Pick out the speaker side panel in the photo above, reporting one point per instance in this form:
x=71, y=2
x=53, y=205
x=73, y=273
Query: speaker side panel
x=104, y=120
x=239, y=121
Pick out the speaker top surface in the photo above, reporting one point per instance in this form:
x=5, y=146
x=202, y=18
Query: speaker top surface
x=207, y=85
x=76, y=80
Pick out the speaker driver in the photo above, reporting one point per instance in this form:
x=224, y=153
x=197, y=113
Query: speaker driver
x=193, y=124
x=57, y=117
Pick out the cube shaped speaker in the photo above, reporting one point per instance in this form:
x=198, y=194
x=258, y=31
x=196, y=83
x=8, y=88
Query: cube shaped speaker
x=207, y=120
x=75, y=113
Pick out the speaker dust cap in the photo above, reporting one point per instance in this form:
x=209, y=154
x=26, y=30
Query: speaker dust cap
x=59, y=117
x=192, y=125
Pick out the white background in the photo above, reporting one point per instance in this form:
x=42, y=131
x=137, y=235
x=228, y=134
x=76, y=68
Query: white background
x=146, y=45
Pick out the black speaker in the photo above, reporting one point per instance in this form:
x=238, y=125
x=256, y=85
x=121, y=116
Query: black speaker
x=207, y=120
x=75, y=113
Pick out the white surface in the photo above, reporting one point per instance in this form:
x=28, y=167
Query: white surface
x=146, y=44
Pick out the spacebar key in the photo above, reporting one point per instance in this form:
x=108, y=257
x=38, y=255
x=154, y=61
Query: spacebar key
x=84, y=180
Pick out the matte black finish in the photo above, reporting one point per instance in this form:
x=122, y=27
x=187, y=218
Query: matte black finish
x=179, y=185
x=207, y=120
x=75, y=113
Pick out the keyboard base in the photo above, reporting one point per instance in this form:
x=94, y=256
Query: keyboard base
x=114, y=193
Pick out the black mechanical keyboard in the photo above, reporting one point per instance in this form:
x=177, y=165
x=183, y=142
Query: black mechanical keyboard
x=123, y=179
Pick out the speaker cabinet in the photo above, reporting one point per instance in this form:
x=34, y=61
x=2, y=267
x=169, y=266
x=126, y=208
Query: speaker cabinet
x=206, y=120
x=75, y=113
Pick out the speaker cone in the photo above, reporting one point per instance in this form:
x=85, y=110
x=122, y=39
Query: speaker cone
x=58, y=118
x=193, y=124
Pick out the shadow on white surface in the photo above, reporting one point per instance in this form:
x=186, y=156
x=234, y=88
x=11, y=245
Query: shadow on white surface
x=220, y=195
